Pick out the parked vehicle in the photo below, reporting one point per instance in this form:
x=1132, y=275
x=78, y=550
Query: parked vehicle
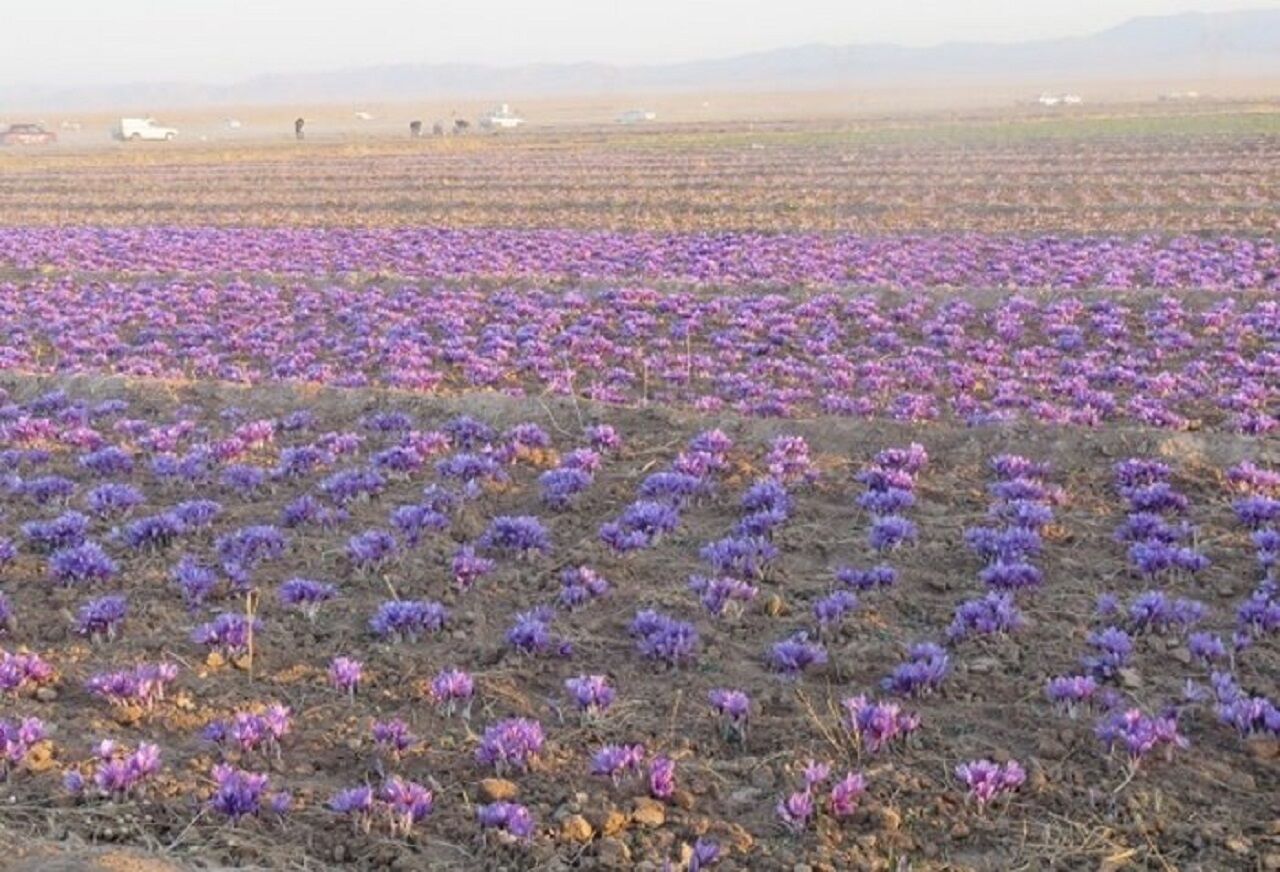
x=143, y=128
x=500, y=118
x=636, y=116
x=28, y=134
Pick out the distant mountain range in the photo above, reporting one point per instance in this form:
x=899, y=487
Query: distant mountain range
x=1185, y=47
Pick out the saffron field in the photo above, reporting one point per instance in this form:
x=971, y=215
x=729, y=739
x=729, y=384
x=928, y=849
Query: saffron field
x=748, y=500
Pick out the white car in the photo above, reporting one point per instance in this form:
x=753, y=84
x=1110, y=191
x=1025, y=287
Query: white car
x=134, y=129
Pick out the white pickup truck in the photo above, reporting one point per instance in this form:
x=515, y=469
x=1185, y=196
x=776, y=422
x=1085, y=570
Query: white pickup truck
x=143, y=128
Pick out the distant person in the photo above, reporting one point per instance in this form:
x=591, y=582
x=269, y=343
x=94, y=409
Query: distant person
x=415, y=129
x=298, y=124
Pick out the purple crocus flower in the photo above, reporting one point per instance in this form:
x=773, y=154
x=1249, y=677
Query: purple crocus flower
x=510, y=819
x=795, y=811
x=793, y=655
x=522, y=535
x=591, y=693
x=510, y=745
x=661, y=637
x=662, y=778
x=345, y=674
x=876, y=724
x=229, y=632
x=890, y=532
x=237, y=793
x=81, y=564
x=102, y=617
x=453, y=687
x=617, y=761
x=846, y=793
x=306, y=595
x=408, y=620
x=734, y=708
x=986, y=780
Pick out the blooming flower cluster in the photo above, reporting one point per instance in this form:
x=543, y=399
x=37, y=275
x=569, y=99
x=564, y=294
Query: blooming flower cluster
x=797, y=810
x=511, y=820
x=1156, y=546
x=238, y=793
x=890, y=481
x=453, y=689
x=877, y=724
x=116, y=771
x=1021, y=508
x=926, y=667
x=252, y=730
x=144, y=685
x=734, y=709
x=643, y=523
x=664, y=638
x=408, y=620
x=17, y=738
x=402, y=804
x=987, y=781
x=510, y=745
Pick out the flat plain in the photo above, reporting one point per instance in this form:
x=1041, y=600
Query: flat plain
x=889, y=492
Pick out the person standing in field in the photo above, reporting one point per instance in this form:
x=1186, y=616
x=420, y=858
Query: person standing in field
x=297, y=128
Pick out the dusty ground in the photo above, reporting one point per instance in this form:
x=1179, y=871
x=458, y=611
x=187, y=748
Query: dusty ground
x=1166, y=168
x=1215, y=807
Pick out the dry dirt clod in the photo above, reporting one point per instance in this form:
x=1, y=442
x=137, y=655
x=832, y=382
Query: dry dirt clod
x=1238, y=845
x=649, y=812
x=610, y=822
x=575, y=828
x=683, y=799
x=614, y=854
x=498, y=790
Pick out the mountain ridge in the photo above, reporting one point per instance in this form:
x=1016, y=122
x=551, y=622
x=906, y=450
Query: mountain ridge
x=1184, y=46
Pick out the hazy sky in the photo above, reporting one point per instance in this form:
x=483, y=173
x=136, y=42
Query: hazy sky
x=66, y=42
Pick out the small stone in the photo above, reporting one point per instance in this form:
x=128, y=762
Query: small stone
x=735, y=836
x=46, y=694
x=960, y=830
x=649, y=812
x=339, y=853
x=576, y=829
x=1238, y=845
x=763, y=777
x=683, y=799
x=745, y=797
x=614, y=854
x=1050, y=748
x=40, y=757
x=1130, y=678
x=802, y=867
x=984, y=665
x=613, y=822
x=498, y=790
x=1271, y=862
x=127, y=714
x=1263, y=747
x=889, y=819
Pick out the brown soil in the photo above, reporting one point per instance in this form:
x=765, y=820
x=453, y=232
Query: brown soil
x=1216, y=806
